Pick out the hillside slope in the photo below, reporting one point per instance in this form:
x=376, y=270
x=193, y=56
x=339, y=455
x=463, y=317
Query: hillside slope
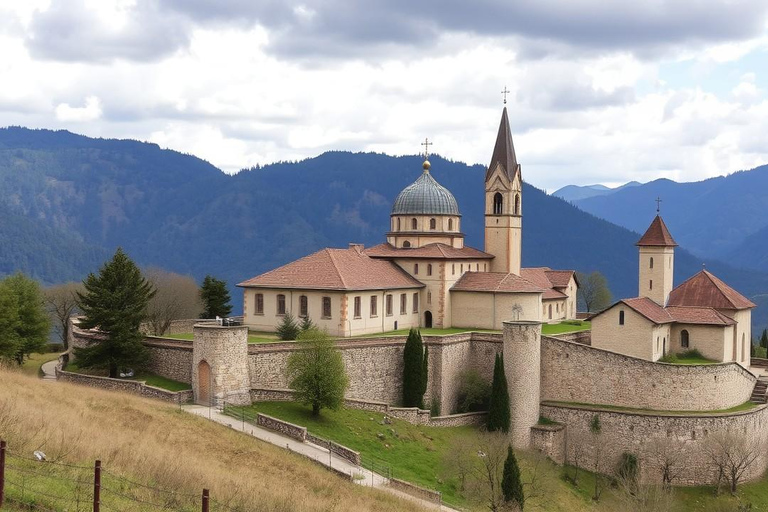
x=159, y=445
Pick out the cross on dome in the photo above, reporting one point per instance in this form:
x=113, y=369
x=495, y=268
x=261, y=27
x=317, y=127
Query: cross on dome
x=426, y=145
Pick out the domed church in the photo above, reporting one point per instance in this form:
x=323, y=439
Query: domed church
x=423, y=275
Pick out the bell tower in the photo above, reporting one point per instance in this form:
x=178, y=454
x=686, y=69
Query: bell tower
x=503, y=204
x=657, y=262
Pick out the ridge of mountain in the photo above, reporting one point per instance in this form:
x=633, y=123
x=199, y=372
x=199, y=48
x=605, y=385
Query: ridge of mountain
x=577, y=192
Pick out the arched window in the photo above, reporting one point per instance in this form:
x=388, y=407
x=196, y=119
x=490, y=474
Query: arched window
x=550, y=311
x=280, y=304
x=303, y=306
x=326, y=307
x=743, y=347
x=517, y=204
x=621, y=317
x=415, y=268
x=358, y=309
x=651, y=261
x=429, y=269
x=259, y=308
x=498, y=203
x=432, y=224
x=429, y=297
x=650, y=284
x=684, y=339
x=413, y=223
x=398, y=223
x=450, y=224
x=406, y=244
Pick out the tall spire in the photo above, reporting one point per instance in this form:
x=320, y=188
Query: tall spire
x=504, y=151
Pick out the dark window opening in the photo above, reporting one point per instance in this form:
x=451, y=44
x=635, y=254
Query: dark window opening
x=498, y=203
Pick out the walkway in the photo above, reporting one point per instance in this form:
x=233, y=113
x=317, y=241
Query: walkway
x=49, y=370
x=321, y=455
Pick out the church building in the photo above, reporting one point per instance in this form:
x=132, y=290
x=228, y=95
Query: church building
x=703, y=313
x=423, y=275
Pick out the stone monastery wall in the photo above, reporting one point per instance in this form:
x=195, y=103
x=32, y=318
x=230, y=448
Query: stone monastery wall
x=571, y=372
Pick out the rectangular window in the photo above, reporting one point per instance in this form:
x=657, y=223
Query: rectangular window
x=358, y=301
x=415, y=268
x=303, y=307
x=429, y=297
x=326, y=307
x=259, y=304
x=429, y=269
x=389, y=305
x=416, y=302
x=453, y=269
x=403, y=303
x=374, y=307
x=281, y=304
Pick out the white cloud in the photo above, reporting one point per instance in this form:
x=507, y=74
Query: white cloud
x=91, y=111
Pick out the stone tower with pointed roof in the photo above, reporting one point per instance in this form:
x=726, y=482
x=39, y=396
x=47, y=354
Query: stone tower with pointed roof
x=503, y=204
x=657, y=262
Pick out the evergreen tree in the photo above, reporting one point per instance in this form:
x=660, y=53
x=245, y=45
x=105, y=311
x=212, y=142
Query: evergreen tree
x=498, y=410
x=413, y=355
x=306, y=324
x=215, y=297
x=9, y=319
x=288, y=329
x=316, y=371
x=424, y=372
x=33, y=325
x=764, y=339
x=115, y=302
x=511, y=485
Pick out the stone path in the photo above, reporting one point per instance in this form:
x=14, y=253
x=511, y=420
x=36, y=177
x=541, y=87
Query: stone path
x=321, y=455
x=49, y=370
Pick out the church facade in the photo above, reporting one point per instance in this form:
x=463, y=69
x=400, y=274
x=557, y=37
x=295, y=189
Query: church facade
x=423, y=275
x=703, y=313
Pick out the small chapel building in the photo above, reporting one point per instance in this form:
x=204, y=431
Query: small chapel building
x=423, y=275
x=702, y=313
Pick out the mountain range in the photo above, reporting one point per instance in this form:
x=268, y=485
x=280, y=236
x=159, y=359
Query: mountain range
x=67, y=201
x=576, y=192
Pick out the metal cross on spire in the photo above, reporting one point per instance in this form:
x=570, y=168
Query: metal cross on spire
x=504, y=94
x=426, y=145
x=658, y=204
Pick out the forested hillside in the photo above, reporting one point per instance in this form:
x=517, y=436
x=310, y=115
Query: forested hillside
x=67, y=201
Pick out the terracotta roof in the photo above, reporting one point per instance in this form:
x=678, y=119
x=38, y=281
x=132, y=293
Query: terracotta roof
x=540, y=277
x=704, y=289
x=335, y=269
x=560, y=278
x=498, y=282
x=657, y=235
x=436, y=251
x=504, y=151
x=649, y=309
x=696, y=315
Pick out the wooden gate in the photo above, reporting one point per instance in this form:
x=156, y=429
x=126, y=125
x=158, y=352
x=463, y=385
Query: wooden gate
x=204, y=383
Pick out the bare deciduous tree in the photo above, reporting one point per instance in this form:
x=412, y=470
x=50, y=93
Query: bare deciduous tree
x=61, y=303
x=177, y=298
x=484, y=478
x=668, y=456
x=577, y=445
x=731, y=456
x=459, y=459
x=644, y=498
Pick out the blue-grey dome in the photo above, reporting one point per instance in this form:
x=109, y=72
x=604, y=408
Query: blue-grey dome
x=425, y=196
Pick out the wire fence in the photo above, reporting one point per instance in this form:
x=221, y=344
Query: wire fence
x=33, y=483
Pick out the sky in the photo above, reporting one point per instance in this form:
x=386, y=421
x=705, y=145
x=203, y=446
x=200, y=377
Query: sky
x=601, y=91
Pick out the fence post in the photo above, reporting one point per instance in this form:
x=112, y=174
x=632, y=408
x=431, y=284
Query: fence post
x=97, y=486
x=2, y=472
x=206, y=498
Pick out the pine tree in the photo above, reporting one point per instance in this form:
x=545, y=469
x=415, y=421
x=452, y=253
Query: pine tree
x=33, y=324
x=9, y=320
x=498, y=410
x=412, y=366
x=306, y=324
x=215, y=297
x=288, y=329
x=511, y=485
x=115, y=302
x=764, y=339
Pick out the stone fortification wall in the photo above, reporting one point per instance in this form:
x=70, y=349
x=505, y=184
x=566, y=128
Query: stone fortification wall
x=130, y=386
x=416, y=491
x=220, y=354
x=549, y=440
x=171, y=359
x=287, y=429
x=342, y=451
x=645, y=435
x=583, y=337
x=571, y=372
x=522, y=367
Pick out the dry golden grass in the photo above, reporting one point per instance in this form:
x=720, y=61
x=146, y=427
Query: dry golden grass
x=159, y=445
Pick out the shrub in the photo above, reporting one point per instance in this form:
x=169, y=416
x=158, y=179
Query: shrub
x=511, y=485
x=288, y=328
x=474, y=392
x=627, y=470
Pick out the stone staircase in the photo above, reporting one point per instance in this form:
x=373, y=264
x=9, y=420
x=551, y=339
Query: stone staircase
x=758, y=394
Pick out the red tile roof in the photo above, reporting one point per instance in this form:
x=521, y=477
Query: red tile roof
x=649, y=309
x=335, y=269
x=498, y=282
x=706, y=290
x=540, y=277
x=696, y=315
x=560, y=278
x=435, y=251
x=657, y=235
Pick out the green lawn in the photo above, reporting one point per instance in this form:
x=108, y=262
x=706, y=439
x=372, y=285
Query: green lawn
x=253, y=336
x=566, y=326
x=149, y=378
x=426, y=332
x=32, y=365
x=687, y=357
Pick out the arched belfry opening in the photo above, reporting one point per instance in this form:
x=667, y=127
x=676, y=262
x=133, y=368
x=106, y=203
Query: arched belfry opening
x=204, y=383
x=427, y=319
x=498, y=203
x=517, y=204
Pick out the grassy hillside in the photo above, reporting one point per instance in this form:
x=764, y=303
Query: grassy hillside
x=154, y=444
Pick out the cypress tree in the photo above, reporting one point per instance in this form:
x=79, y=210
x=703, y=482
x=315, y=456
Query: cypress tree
x=764, y=339
x=412, y=365
x=115, y=302
x=424, y=374
x=498, y=410
x=511, y=486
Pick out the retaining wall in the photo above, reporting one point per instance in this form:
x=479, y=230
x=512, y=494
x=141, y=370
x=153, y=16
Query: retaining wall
x=283, y=427
x=416, y=491
x=130, y=386
x=571, y=372
x=549, y=440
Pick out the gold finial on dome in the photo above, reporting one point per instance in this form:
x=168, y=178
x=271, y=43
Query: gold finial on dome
x=426, y=165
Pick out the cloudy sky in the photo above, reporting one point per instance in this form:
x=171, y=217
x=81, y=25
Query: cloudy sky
x=602, y=91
